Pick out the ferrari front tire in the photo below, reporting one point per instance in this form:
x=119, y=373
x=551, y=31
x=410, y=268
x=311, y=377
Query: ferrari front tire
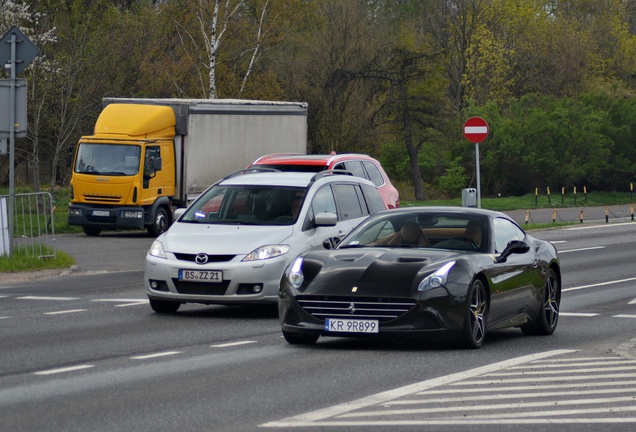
x=474, y=331
x=548, y=317
x=300, y=338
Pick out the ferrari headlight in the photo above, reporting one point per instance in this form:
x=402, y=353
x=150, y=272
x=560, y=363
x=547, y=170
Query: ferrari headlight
x=156, y=250
x=267, y=252
x=436, y=279
x=295, y=276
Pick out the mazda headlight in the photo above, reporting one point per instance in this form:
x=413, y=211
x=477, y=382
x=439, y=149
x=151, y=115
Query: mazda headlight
x=156, y=250
x=436, y=279
x=266, y=252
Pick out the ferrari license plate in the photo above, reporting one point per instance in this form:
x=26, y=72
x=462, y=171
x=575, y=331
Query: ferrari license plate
x=348, y=325
x=201, y=275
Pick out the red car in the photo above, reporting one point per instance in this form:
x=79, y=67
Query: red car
x=360, y=165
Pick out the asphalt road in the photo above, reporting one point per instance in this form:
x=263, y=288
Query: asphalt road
x=85, y=352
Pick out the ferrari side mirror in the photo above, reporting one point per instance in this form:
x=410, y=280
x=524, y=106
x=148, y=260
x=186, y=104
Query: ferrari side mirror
x=514, y=247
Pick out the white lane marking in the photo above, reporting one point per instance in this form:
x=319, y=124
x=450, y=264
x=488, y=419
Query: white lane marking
x=231, y=344
x=132, y=304
x=585, y=359
x=557, y=413
x=313, y=418
x=560, y=372
x=62, y=370
x=558, y=241
x=632, y=302
x=575, y=314
x=522, y=405
x=506, y=396
x=4, y=317
x=65, y=312
x=601, y=284
x=121, y=300
x=46, y=298
x=598, y=226
x=463, y=421
x=581, y=249
x=492, y=390
x=624, y=316
x=575, y=363
x=544, y=379
x=162, y=354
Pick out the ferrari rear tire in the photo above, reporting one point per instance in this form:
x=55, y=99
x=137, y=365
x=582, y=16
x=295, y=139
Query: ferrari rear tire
x=474, y=331
x=300, y=338
x=164, y=306
x=548, y=317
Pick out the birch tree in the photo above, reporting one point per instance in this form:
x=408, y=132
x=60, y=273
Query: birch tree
x=35, y=26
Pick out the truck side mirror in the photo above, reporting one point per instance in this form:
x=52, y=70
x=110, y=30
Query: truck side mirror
x=157, y=164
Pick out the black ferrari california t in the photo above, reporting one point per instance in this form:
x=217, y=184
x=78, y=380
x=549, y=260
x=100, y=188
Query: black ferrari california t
x=428, y=273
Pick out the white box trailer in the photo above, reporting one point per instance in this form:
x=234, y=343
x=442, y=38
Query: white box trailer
x=148, y=156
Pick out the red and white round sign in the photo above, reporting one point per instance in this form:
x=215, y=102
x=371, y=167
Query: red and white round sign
x=475, y=129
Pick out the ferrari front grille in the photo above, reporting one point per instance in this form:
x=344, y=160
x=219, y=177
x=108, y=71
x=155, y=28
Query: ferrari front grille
x=382, y=309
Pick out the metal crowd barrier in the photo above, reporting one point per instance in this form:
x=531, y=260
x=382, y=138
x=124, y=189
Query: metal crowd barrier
x=33, y=225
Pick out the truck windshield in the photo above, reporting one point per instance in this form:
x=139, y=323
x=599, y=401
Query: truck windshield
x=249, y=205
x=107, y=159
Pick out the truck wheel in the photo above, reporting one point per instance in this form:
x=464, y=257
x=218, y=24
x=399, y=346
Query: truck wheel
x=160, y=222
x=92, y=231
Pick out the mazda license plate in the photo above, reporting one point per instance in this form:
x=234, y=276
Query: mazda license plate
x=348, y=325
x=201, y=275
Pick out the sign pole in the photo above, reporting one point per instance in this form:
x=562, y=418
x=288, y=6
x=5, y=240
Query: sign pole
x=476, y=130
x=12, y=146
x=478, y=175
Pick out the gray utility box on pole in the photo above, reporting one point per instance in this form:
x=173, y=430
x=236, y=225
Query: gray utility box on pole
x=469, y=197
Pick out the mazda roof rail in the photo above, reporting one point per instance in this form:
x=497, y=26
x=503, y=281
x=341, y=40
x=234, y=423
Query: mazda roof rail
x=251, y=170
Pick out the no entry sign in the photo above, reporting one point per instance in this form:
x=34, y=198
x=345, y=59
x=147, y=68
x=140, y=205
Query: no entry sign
x=475, y=129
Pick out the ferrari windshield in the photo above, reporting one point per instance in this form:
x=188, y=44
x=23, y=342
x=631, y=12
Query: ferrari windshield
x=250, y=205
x=421, y=230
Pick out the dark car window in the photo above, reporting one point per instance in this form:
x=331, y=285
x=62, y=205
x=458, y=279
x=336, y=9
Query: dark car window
x=323, y=202
x=374, y=173
x=356, y=168
x=373, y=198
x=505, y=232
x=350, y=201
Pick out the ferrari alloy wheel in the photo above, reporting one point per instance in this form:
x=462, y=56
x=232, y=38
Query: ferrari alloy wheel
x=546, y=321
x=300, y=338
x=476, y=315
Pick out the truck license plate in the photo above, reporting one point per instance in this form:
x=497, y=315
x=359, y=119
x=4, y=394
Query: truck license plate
x=201, y=275
x=348, y=325
x=101, y=213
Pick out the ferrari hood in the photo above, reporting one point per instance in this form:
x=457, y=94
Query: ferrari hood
x=221, y=239
x=371, y=271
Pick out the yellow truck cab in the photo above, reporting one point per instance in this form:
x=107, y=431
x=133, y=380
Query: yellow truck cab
x=150, y=156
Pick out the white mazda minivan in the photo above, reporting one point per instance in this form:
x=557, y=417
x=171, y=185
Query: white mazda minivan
x=233, y=243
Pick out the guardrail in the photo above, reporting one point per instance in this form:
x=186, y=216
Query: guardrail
x=33, y=227
x=569, y=215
